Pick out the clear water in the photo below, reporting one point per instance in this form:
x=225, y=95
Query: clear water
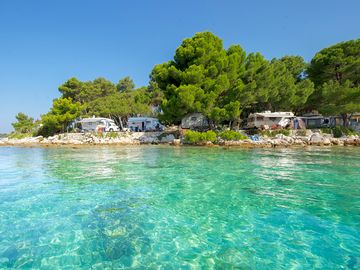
x=179, y=208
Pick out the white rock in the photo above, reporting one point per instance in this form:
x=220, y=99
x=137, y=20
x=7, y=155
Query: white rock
x=168, y=138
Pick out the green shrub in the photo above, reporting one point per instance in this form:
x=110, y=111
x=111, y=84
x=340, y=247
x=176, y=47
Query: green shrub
x=273, y=133
x=326, y=130
x=339, y=131
x=209, y=136
x=194, y=137
x=16, y=135
x=301, y=132
x=111, y=134
x=232, y=135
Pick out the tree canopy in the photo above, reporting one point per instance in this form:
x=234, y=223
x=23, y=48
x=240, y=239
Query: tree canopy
x=62, y=113
x=223, y=84
x=24, y=124
x=204, y=77
x=336, y=73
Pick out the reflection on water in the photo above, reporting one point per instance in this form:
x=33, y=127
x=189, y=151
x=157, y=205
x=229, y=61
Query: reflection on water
x=145, y=207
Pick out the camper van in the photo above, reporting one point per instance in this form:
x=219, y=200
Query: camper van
x=144, y=124
x=269, y=119
x=97, y=124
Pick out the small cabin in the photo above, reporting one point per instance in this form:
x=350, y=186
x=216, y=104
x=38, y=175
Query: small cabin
x=195, y=121
x=269, y=119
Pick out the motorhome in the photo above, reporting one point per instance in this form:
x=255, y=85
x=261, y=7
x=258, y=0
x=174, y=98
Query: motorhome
x=144, y=124
x=97, y=124
x=269, y=119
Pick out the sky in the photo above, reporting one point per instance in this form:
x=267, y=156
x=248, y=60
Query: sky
x=44, y=43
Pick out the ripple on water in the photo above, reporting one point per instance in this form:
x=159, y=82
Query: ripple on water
x=145, y=207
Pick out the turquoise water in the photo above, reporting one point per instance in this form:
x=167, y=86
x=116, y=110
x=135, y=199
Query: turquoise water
x=179, y=208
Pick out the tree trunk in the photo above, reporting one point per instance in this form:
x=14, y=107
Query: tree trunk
x=120, y=122
x=345, y=117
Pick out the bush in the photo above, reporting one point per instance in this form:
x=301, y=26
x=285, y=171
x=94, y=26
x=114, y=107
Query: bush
x=301, y=132
x=273, y=133
x=232, y=135
x=16, y=135
x=194, y=137
x=111, y=134
x=339, y=131
x=326, y=130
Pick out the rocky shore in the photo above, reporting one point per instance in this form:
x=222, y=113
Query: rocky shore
x=137, y=138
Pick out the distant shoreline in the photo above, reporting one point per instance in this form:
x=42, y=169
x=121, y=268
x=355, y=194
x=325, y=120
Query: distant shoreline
x=163, y=138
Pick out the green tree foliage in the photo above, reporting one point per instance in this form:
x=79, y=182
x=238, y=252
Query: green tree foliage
x=85, y=92
x=340, y=62
x=121, y=105
x=195, y=137
x=336, y=74
x=103, y=98
x=199, y=78
x=24, y=124
x=206, y=78
x=125, y=85
x=277, y=85
x=63, y=112
x=340, y=99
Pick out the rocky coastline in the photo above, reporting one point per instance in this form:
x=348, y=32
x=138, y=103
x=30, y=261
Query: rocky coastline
x=140, y=138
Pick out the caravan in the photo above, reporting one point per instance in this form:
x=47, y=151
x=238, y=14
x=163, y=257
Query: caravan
x=97, y=124
x=269, y=119
x=144, y=124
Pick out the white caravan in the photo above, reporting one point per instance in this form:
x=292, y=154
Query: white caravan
x=98, y=124
x=144, y=124
x=268, y=119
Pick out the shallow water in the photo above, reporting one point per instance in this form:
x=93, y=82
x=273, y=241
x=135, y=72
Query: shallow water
x=179, y=208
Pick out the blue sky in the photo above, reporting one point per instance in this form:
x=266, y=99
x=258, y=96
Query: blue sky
x=43, y=43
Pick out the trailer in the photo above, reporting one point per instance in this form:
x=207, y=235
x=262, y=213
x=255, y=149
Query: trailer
x=144, y=124
x=269, y=119
x=97, y=124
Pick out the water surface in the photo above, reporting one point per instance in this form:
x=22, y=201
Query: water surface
x=179, y=208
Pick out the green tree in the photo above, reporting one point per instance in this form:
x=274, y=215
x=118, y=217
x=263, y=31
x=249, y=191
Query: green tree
x=85, y=92
x=334, y=65
x=125, y=85
x=340, y=99
x=120, y=106
x=199, y=79
x=24, y=124
x=277, y=85
x=340, y=62
x=62, y=113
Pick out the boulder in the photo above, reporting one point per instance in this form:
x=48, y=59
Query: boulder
x=326, y=141
x=316, y=139
x=176, y=142
x=167, y=139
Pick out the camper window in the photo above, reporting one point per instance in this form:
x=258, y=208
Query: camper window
x=260, y=118
x=193, y=118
